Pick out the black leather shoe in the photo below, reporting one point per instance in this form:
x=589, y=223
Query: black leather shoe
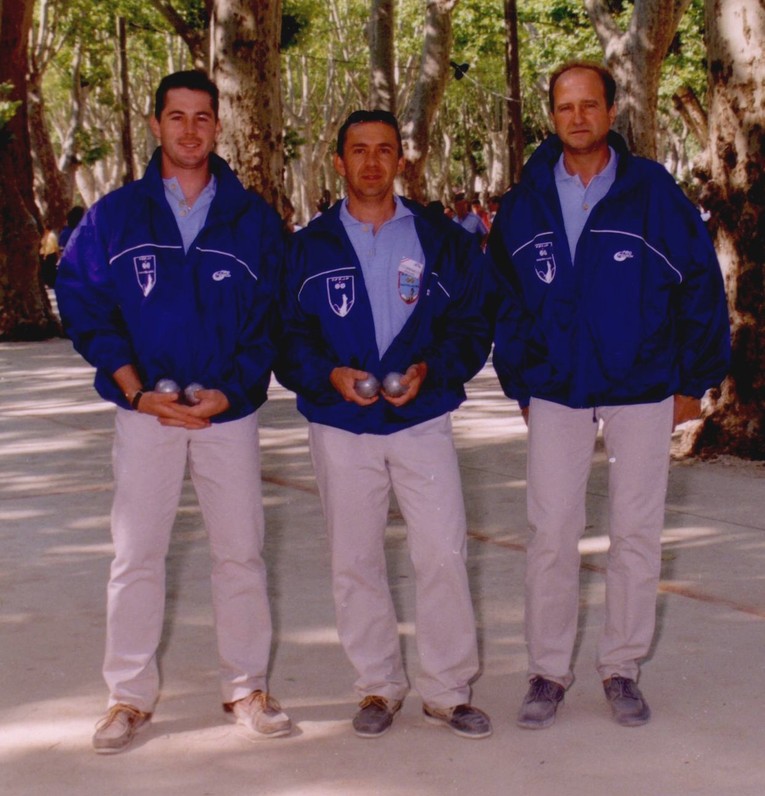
x=627, y=703
x=540, y=703
x=375, y=716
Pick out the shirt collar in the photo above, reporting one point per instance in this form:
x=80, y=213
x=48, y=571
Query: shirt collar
x=608, y=171
x=173, y=187
x=401, y=211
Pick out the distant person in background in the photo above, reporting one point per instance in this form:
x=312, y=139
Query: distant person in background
x=493, y=207
x=49, y=255
x=467, y=220
x=323, y=204
x=477, y=209
x=73, y=218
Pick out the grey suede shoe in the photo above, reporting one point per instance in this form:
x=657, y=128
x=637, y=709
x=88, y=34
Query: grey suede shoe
x=540, y=704
x=628, y=706
x=375, y=716
x=463, y=720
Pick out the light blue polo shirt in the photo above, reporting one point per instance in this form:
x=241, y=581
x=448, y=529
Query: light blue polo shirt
x=577, y=201
x=392, y=263
x=189, y=219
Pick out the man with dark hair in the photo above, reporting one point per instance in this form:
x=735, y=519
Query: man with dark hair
x=384, y=321
x=612, y=314
x=167, y=288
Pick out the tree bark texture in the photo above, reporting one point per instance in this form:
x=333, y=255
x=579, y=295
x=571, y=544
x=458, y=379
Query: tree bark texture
x=426, y=97
x=380, y=33
x=25, y=312
x=635, y=56
x=695, y=117
x=734, y=420
x=246, y=69
x=126, y=136
x=513, y=88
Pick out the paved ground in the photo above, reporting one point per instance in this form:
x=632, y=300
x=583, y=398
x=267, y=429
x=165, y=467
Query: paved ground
x=705, y=679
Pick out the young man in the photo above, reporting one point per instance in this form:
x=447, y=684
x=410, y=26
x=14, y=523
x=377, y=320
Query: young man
x=613, y=312
x=376, y=286
x=173, y=277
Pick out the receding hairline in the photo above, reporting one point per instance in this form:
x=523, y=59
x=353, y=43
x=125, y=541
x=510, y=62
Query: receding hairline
x=606, y=80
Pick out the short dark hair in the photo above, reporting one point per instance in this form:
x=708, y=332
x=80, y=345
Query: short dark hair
x=609, y=84
x=194, y=79
x=364, y=117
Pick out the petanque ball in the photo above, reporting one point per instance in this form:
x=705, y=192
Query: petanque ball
x=166, y=385
x=392, y=385
x=368, y=387
x=190, y=393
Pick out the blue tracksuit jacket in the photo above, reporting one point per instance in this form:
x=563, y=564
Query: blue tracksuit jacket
x=449, y=328
x=128, y=294
x=638, y=316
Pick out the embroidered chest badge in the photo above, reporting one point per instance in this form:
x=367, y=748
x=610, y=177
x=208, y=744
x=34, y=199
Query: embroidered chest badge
x=146, y=272
x=341, y=292
x=409, y=279
x=545, y=263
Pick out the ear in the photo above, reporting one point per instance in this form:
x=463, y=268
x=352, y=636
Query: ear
x=337, y=162
x=612, y=114
x=154, y=126
x=401, y=164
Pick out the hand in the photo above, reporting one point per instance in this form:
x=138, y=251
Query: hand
x=412, y=380
x=343, y=380
x=686, y=408
x=169, y=412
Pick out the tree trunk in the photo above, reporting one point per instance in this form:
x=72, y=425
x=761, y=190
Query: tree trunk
x=25, y=312
x=246, y=68
x=635, y=57
x=734, y=420
x=513, y=80
x=198, y=41
x=380, y=33
x=126, y=134
x=688, y=106
x=426, y=98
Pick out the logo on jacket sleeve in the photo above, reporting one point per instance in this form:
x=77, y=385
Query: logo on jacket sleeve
x=146, y=272
x=341, y=293
x=219, y=276
x=545, y=264
x=621, y=256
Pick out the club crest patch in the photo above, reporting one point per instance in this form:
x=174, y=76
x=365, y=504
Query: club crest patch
x=341, y=291
x=146, y=272
x=545, y=264
x=409, y=277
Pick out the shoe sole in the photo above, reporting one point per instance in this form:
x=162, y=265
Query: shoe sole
x=253, y=733
x=535, y=725
x=436, y=722
x=629, y=721
x=367, y=735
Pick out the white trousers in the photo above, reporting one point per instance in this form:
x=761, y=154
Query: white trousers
x=561, y=442
x=149, y=464
x=355, y=474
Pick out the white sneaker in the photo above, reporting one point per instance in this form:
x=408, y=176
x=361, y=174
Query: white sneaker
x=260, y=713
x=117, y=728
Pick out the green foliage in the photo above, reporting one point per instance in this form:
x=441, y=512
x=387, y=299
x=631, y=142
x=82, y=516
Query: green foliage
x=8, y=107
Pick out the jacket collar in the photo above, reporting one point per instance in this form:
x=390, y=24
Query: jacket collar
x=230, y=195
